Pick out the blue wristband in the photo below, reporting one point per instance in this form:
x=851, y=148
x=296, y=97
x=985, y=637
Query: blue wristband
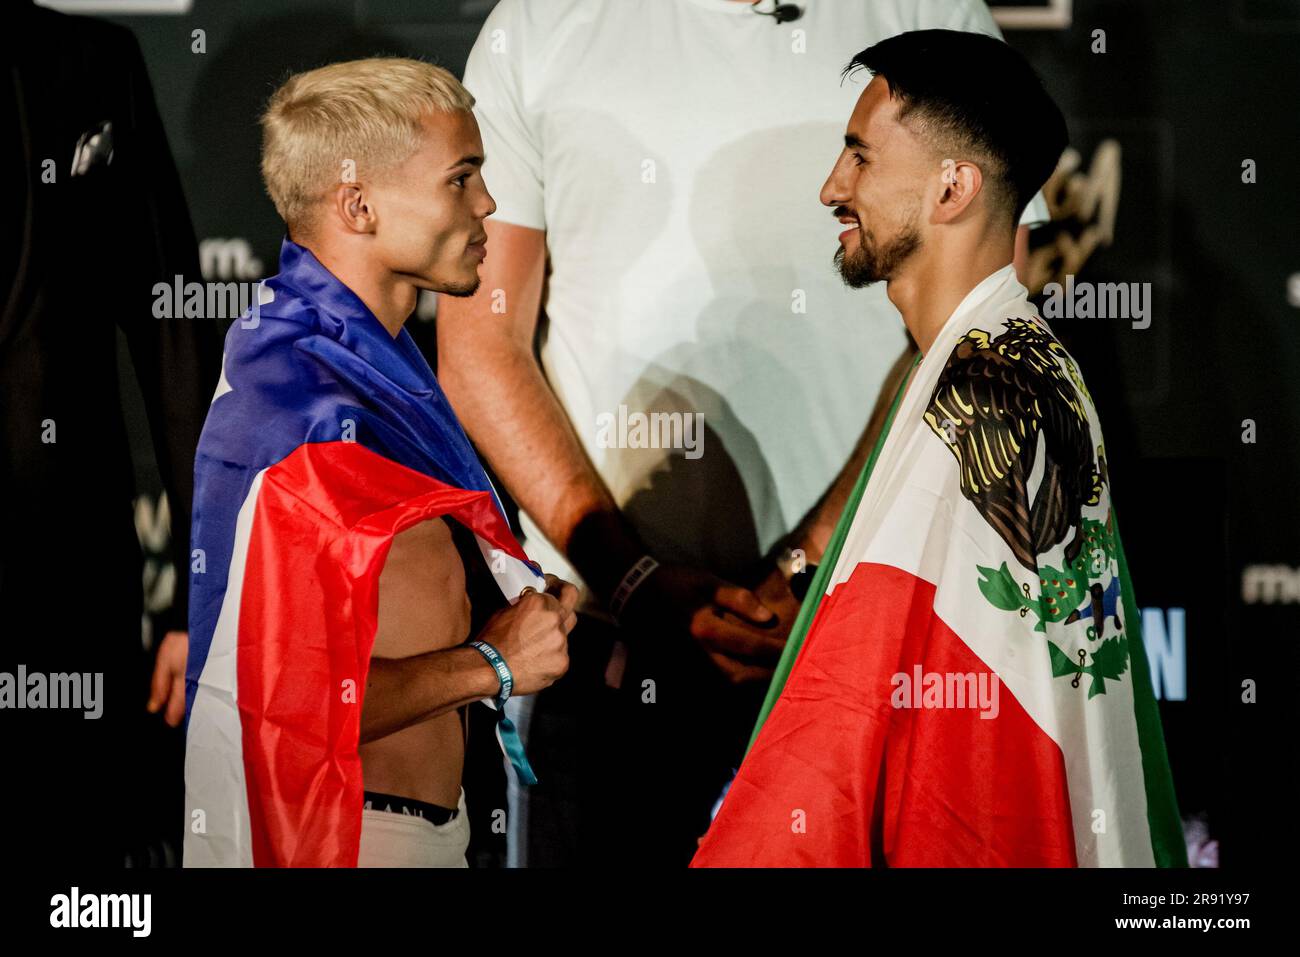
x=502, y=669
x=506, y=731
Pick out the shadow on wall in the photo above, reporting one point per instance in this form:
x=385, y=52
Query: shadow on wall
x=748, y=344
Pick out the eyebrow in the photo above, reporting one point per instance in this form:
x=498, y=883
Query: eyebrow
x=471, y=160
x=852, y=141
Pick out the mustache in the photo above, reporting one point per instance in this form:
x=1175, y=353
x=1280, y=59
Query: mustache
x=843, y=211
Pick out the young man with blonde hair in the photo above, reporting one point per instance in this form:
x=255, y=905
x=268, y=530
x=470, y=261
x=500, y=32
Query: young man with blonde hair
x=342, y=520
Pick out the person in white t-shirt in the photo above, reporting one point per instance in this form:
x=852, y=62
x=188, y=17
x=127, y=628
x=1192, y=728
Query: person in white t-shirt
x=665, y=370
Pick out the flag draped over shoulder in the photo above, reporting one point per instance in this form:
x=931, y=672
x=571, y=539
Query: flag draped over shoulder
x=966, y=684
x=326, y=437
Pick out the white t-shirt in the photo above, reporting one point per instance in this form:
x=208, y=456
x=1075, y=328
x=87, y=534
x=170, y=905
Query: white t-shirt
x=673, y=151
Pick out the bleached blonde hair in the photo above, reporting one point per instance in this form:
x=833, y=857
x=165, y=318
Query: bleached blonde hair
x=364, y=111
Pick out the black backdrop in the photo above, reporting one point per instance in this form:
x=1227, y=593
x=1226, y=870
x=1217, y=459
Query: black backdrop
x=1188, y=91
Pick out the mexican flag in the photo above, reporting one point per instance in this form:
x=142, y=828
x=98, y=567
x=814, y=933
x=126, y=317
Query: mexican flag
x=966, y=683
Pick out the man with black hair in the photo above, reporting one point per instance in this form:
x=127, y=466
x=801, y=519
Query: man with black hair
x=966, y=683
x=655, y=259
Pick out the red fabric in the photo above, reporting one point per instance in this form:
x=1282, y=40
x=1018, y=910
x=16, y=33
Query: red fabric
x=325, y=518
x=936, y=787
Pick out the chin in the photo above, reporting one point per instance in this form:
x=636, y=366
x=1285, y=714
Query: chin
x=461, y=289
x=856, y=274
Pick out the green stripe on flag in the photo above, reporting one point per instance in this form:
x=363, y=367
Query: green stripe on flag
x=1168, y=845
x=808, y=610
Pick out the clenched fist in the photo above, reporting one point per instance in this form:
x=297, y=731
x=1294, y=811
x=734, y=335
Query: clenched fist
x=532, y=635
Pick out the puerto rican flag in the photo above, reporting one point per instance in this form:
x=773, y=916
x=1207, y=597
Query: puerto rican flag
x=326, y=437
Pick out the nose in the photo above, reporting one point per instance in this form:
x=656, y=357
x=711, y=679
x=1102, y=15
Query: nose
x=488, y=207
x=834, y=191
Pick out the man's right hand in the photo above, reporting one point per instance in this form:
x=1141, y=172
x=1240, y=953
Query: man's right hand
x=740, y=634
x=167, y=688
x=532, y=635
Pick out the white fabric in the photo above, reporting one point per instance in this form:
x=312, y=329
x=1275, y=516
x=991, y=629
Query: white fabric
x=389, y=839
x=673, y=150
x=913, y=516
x=216, y=797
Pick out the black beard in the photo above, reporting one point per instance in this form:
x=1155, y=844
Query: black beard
x=870, y=264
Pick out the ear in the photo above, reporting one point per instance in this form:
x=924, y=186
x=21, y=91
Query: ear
x=350, y=205
x=961, y=181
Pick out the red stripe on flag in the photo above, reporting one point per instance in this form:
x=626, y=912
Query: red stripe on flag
x=838, y=775
x=322, y=527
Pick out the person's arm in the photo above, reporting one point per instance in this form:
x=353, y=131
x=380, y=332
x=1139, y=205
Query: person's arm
x=488, y=367
x=531, y=636
x=489, y=370
x=401, y=692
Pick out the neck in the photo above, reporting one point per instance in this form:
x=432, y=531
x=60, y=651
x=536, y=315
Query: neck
x=938, y=276
x=390, y=297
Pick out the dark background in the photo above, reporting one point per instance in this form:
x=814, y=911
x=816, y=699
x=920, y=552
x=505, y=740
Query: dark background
x=1189, y=90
